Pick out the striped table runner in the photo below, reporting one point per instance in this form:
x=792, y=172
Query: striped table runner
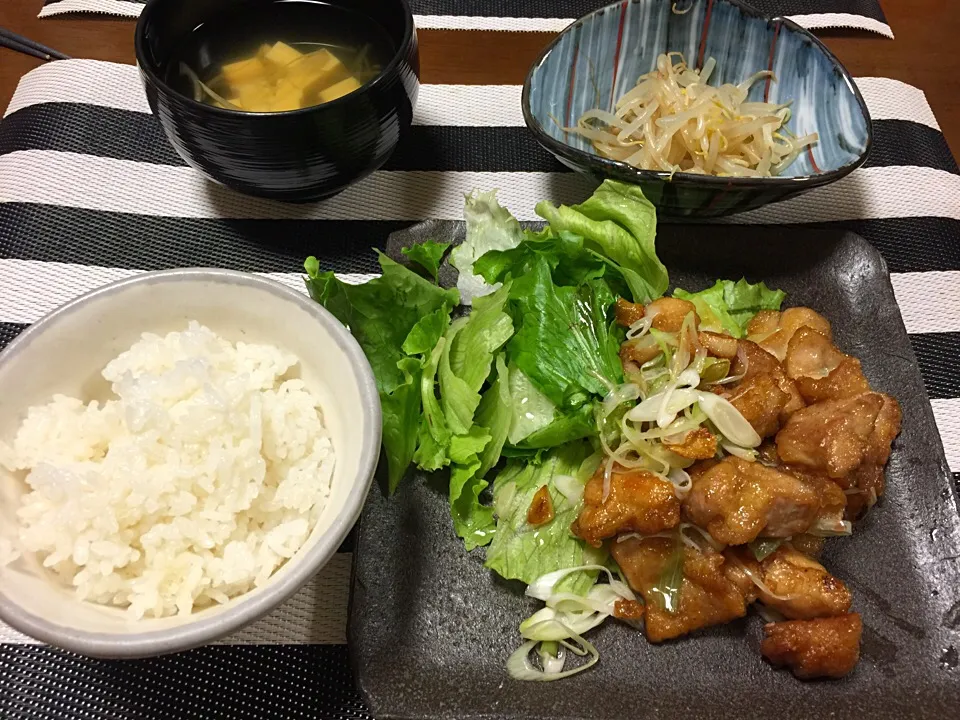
x=90, y=191
x=551, y=15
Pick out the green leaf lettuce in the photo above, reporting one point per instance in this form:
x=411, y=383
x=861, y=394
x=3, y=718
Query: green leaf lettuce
x=385, y=315
x=522, y=552
x=729, y=306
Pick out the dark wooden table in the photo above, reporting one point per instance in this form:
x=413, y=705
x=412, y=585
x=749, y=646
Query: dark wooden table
x=925, y=53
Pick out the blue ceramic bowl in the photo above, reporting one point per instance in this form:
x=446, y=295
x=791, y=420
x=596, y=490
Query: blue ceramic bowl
x=603, y=54
x=297, y=156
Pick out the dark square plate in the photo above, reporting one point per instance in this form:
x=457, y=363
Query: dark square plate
x=430, y=629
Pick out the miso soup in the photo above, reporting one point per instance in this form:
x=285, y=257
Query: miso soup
x=279, y=56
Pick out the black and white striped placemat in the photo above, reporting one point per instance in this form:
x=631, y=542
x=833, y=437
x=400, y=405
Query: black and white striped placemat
x=551, y=15
x=90, y=191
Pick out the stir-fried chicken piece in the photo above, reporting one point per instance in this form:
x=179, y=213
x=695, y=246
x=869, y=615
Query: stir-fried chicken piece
x=820, y=370
x=845, y=380
x=765, y=396
x=706, y=597
x=639, y=501
x=669, y=313
x=767, y=453
x=833, y=499
x=826, y=647
x=760, y=401
x=634, y=353
x=699, y=469
x=835, y=436
x=811, y=354
x=773, y=331
x=864, y=486
x=886, y=428
x=763, y=323
x=540, y=511
x=736, y=501
x=699, y=444
x=754, y=360
x=627, y=313
x=809, y=545
x=717, y=345
x=792, y=583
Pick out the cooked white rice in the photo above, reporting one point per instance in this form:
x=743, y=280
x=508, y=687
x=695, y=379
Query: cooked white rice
x=205, y=475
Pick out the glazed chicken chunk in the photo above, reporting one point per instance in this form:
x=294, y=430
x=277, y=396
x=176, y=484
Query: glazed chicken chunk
x=820, y=370
x=825, y=438
x=833, y=499
x=773, y=330
x=826, y=647
x=638, y=501
x=793, y=583
x=669, y=313
x=736, y=501
x=706, y=597
x=837, y=436
x=765, y=396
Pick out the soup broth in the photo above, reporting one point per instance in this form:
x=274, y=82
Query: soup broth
x=279, y=56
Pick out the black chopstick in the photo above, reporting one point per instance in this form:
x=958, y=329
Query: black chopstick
x=11, y=40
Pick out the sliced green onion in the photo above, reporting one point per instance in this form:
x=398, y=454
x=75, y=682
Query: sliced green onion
x=552, y=657
x=743, y=453
x=831, y=527
x=731, y=424
x=663, y=403
x=667, y=589
x=519, y=666
x=548, y=624
x=542, y=587
x=762, y=548
x=200, y=88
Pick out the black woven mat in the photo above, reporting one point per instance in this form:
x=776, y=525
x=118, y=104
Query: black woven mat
x=90, y=191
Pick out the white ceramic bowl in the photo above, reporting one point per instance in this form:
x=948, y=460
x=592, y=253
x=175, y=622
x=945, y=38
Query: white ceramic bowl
x=64, y=353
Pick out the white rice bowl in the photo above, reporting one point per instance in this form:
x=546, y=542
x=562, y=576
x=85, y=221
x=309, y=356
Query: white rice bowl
x=207, y=472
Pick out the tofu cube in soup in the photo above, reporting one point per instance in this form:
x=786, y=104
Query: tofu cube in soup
x=317, y=71
x=243, y=72
x=280, y=55
x=342, y=88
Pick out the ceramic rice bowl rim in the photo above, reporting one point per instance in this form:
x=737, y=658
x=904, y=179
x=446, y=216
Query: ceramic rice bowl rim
x=622, y=169
x=247, y=608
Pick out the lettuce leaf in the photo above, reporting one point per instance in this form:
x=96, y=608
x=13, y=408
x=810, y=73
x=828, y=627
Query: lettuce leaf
x=570, y=261
x=394, y=318
x=472, y=521
x=380, y=313
x=400, y=411
x=618, y=223
x=428, y=255
x=495, y=414
x=489, y=227
x=564, y=342
x=729, y=306
x=566, y=426
x=434, y=434
x=427, y=332
x=520, y=552
x=530, y=409
x=476, y=425
x=468, y=356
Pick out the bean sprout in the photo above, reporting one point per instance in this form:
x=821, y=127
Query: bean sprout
x=673, y=121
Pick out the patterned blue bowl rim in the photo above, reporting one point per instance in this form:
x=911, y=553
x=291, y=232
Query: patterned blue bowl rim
x=606, y=165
